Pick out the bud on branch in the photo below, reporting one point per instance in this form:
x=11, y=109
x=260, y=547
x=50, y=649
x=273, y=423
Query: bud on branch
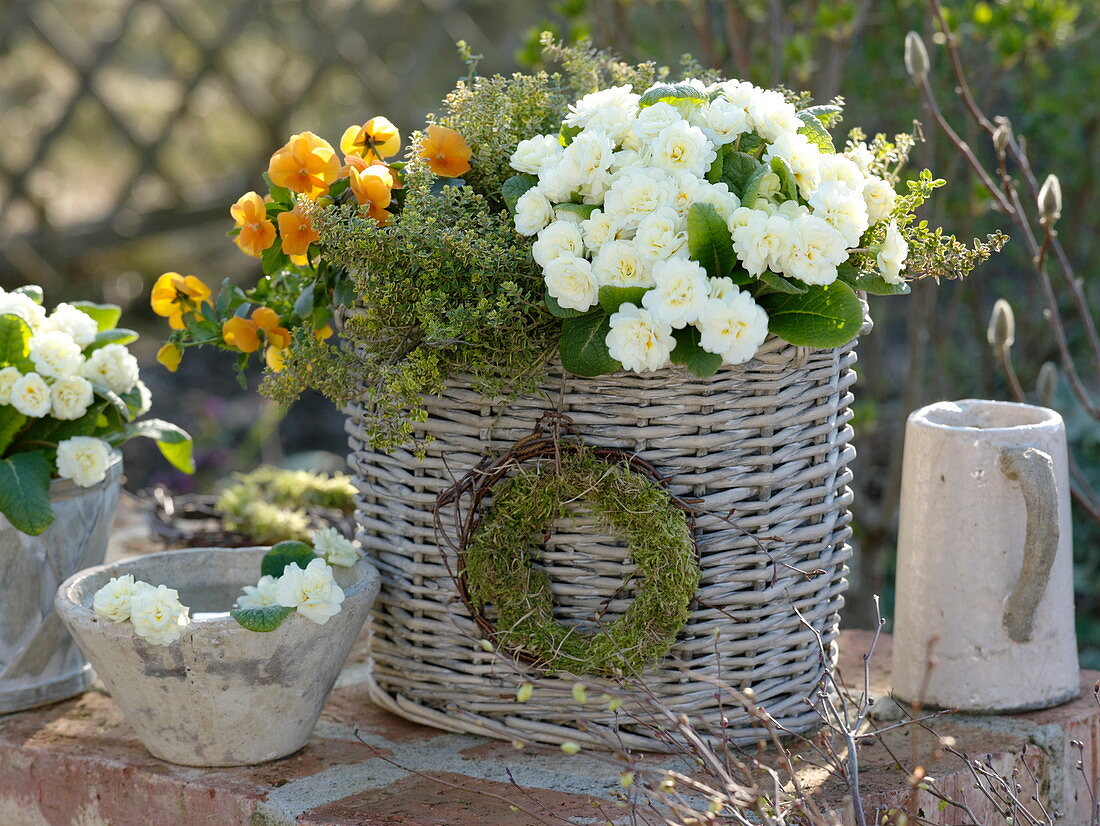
x=1002, y=326
x=916, y=57
x=1050, y=201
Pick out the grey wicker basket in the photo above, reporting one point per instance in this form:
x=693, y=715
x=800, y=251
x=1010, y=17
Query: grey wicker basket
x=764, y=447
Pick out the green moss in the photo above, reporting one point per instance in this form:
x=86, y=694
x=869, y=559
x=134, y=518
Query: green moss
x=657, y=533
x=269, y=504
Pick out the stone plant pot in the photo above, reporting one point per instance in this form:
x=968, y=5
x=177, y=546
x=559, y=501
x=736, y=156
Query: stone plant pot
x=221, y=695
x=39, y=663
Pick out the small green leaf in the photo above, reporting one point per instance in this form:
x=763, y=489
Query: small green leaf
x=788, y=187
x=174, y=443
x=872, y=283
x=816, y=132
x=827, y=113
x=823, y=317
x=113, y=400
x=559, y=311
x=688, y=353
x=672, y=93
x=737, y=169
x=119, y=335
x=15, y=338
x=25, y=491
x=611, y=298
x=514, y=187
x=304, y=305
x=263, y=619
x=750, y=143
x=584, y=346
x=567, y=133
x=343, y=295
x=11, y=422
x=780, y=284
x=31, y=291
x=709, y=240
x=273, y=258
x=105, y=316
x=280, y=195
x=583, y=210
x=289, y=552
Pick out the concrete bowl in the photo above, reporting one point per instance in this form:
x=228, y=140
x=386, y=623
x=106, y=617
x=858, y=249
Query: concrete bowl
x=221, y=695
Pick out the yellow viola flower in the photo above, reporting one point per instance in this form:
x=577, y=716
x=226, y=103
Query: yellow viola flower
x=307, y=164
x=175, y=295
x=374, y=140
x=257, y=233
x=170, y=357
x=446, y=152
x=324, y=333
x=297, y=232
x=372, y=185
x=241, y=333
x=275, y=358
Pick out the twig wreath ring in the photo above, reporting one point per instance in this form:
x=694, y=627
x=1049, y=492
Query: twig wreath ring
x=495, y=564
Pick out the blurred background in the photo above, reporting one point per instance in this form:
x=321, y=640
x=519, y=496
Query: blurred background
x=127, y=127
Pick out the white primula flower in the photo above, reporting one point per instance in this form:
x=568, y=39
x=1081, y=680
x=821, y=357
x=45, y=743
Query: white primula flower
x=66, y=318
x=112, y=601
x=759, y=239
x=8, y=377
x=621, y=264
x=722, y=121
x=261, y=595
x=653, y=120
x=84, y=459
x=71, y=397
x=157, y=614
x=613, y=122
x=20, y=305
x=803, y=157
x=30, y=395
x=771, y=116
x=845, y=210
x=113, y=367
x=662, y=234
x=842, y=170
x=880, y=198
x=815, y=251
x=681, y=147
x=145, y=399
x=557, y=181
x=597, y=230
x=638, y=341
x=638, y=193
x=313, y=592
x=721, y=287
x=559, y=238
x=891, y=258
x=532, y=155
x=741, y=93
x=55, y=354
x=718, y=196
x=681, y=291
x=591, y=105
x=533, y=212
x=587, y=157
x=335, y=547
x=570, y=281
x=733, y=327
x=861, y=156
x=623, y=159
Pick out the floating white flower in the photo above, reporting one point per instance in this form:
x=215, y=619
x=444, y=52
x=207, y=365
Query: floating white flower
x=313, y=592
x=30, y=395
x=71, y=397
x=880, y=198
x=733, y=327
x=557, y=239
x=891, y=258
x=112, y=601
x=534, y=153
x=335, y=547
x=84, y=459
x=68, y=319
x=261, y=595
x=814, y=251
x=113, y=367
x=55, y=355
x=638, y=341
x=681, y=147
x=661, y=234
x=8, y=377
x=570, y=281
x=533, y=212
x=157, y=614
x=621, y=264
x=679, y=295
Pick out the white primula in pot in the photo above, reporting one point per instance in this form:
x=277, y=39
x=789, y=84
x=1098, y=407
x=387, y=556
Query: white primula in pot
x=219, y=656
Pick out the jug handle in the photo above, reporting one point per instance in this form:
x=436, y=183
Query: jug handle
x=1034, y=470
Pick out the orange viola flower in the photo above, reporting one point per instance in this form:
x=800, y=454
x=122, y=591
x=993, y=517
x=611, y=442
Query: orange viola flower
x=275, y=358
x=374, y=140
x=297, y=232
x=446, y=152
x=307, y=164
x=257, y=233
x=267, y=319
x=372, y=185
x=170, y=356
x=241, y=333
x=324, y=333
x=175, y=295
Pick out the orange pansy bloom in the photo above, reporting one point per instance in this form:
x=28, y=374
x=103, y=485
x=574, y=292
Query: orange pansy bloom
x=372, y=184
x=241, y=333
x=267, y=320
x=297, y=232
x=307, y=164
x=324, y=333
x=446, y=152
x=174, y=295
x=257, y=233
x=170, y=356
x=374, y=140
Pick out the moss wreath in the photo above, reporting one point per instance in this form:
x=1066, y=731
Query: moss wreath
x=494, y=559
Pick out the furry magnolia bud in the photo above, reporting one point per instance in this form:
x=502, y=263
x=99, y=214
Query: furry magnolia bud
x=1046, y=385
x=1002, y=135
x=916, y=57
x=1002, y=326
x=1050, y=200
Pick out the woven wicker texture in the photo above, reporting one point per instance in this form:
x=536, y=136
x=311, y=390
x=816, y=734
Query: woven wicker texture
x=763, y=447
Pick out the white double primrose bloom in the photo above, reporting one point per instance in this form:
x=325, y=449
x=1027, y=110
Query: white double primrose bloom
x=643, y=168
x=155, y=611
x=311, y=591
